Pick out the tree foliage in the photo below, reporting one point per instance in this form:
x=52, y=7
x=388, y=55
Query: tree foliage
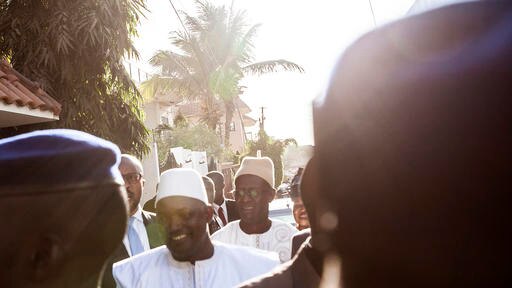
x=209, y=59
x=273, y=149
x=197, y=138
x=74, y=49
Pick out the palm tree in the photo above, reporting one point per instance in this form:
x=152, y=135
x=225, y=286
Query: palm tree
x=75, y=50
x=212, y=55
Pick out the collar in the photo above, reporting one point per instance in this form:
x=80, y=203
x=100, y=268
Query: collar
x=138, y=214
x=186, y=264
x=223, y=205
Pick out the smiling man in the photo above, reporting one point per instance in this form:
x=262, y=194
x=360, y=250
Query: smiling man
x=189, y=258
x=254, y=183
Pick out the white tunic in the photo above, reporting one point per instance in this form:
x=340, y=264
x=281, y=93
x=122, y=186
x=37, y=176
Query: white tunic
x=230, y=265
x=277, y=239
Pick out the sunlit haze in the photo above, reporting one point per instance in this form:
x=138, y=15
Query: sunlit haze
x=312, y=34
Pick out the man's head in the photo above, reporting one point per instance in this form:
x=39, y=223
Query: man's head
x=218, y=180
x=63, y=206
x=131, y=170
x=254, y=190
x=209, y=186
x=299, y=211
x=415, y=163
x=183, y=209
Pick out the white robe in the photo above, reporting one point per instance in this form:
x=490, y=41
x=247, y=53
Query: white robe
x=230, y=265
x=277, y=239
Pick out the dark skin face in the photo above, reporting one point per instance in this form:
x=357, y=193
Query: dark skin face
x=134, y=189
x=185, y=220
x=210, y=190
x=57, y=251
x=253, y=204
x=218, y=181
x=300, y=214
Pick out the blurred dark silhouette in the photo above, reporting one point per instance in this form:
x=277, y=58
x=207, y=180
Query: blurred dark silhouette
x=414, y=143
x=63, y=208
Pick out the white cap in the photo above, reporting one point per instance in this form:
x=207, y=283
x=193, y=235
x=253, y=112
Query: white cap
x=262, y=167
x=181, y=182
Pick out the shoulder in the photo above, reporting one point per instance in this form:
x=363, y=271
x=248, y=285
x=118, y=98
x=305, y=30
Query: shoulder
x=142, y=259
x=128, y=272
x=298, y=240
x=150, y=217
x=244, y=255
x=281, y=276
x=302, y=235
x=281, y=225
x=226, y=230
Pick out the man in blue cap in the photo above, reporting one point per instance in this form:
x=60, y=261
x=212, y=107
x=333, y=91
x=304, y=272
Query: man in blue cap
x=63, y=207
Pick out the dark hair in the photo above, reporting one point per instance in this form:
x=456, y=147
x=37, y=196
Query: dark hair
x=294, y=188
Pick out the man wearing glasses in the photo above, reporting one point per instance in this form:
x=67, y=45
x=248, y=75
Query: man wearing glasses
x=142, y=233
x=254, y=190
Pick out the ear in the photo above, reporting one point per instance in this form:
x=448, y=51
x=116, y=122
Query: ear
x=46, y=258
x=209, y=213
x=271, y=194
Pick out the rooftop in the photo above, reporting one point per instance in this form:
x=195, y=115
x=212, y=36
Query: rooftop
x=22, y=101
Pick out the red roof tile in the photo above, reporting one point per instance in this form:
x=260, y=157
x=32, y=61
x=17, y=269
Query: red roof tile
x=16, y=88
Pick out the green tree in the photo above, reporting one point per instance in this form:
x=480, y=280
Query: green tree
x=75, y=50
x=197, y=138
x=209, y=59
x=271, y=148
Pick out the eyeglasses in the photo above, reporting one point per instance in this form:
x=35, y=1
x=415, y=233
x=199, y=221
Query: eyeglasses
x=253, y=193
x=132, y=178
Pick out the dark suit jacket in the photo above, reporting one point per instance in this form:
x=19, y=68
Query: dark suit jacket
x=150, y=205
x=155, y=236
x=215, y=224
x=299, y=238
x=232, y=211
x=296, y=273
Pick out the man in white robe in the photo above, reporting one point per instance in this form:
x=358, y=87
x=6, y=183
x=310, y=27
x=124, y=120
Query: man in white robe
x=189, y=258
x=254, y=190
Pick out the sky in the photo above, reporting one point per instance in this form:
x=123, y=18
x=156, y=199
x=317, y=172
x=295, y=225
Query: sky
x=312, y=34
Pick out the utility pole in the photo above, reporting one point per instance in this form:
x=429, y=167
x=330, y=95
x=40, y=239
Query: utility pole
x=262, y=119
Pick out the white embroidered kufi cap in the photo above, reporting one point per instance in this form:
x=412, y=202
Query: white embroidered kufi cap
x=181, y=182
x=262, y=167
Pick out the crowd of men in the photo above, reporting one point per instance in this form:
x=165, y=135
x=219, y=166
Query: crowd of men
x=408, y=187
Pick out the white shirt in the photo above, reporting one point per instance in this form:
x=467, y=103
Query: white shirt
x=230, y=265
x=277, y=239
x=140, y=228
x=224, y=209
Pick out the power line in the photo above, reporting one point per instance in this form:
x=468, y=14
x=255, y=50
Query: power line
x=179, y=18
x=373, y=14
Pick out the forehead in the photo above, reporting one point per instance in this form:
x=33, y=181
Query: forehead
x=250, y=181
x=177, y=203
x=129, y=165
x=208, y=185
x=216, y=178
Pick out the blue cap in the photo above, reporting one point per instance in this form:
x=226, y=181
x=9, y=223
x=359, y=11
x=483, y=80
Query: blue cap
x=57, y=159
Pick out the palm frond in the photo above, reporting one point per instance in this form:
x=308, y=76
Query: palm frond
x=264, y=67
